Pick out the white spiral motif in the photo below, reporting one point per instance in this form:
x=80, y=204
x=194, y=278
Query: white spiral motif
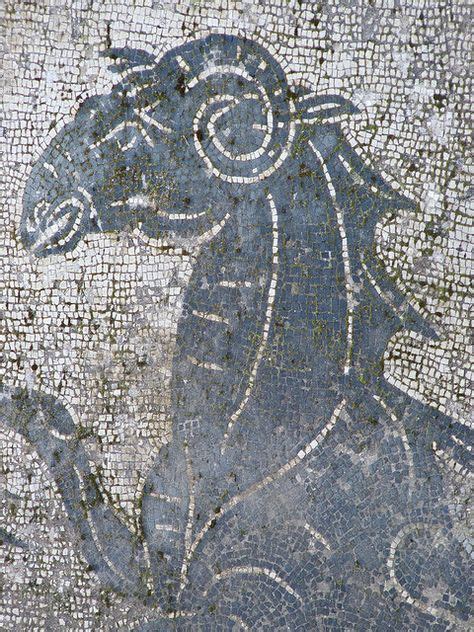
x=244, y=121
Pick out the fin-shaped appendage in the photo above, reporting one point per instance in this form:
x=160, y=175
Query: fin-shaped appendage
x=112, y=551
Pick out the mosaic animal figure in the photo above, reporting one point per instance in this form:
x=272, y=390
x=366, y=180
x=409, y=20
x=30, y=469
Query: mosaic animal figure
x=284, y=325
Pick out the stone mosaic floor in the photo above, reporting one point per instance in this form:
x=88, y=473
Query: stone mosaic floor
x=235, y=375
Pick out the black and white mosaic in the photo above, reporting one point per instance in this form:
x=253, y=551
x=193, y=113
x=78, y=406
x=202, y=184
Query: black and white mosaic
x=235, y=374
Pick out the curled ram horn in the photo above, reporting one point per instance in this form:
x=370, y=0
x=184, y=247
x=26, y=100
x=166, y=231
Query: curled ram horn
x=169, y=147
x=243, y=123
x=244, y=115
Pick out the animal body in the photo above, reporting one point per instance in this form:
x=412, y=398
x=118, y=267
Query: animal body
x=285, y=320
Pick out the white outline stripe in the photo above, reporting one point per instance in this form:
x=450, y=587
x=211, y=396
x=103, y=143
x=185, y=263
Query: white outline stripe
x=405, y=442
x=235, y=284
x=211, y=366
x=350, y=285
x=266, y=327
x=258, y=570
x=212, y=317
x=316, y=535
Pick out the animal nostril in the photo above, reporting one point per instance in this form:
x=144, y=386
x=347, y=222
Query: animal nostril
x=50, y=227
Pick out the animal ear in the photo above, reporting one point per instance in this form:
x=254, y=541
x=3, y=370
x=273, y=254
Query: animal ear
x=126, y=60
x=320, y=109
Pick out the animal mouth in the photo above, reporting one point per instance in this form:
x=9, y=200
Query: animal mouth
x=146, y=202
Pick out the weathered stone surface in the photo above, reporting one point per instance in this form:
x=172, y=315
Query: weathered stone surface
x=235, y=316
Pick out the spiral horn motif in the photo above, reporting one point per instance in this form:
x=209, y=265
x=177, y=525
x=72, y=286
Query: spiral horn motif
x=219, y=106
x=237, y=95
